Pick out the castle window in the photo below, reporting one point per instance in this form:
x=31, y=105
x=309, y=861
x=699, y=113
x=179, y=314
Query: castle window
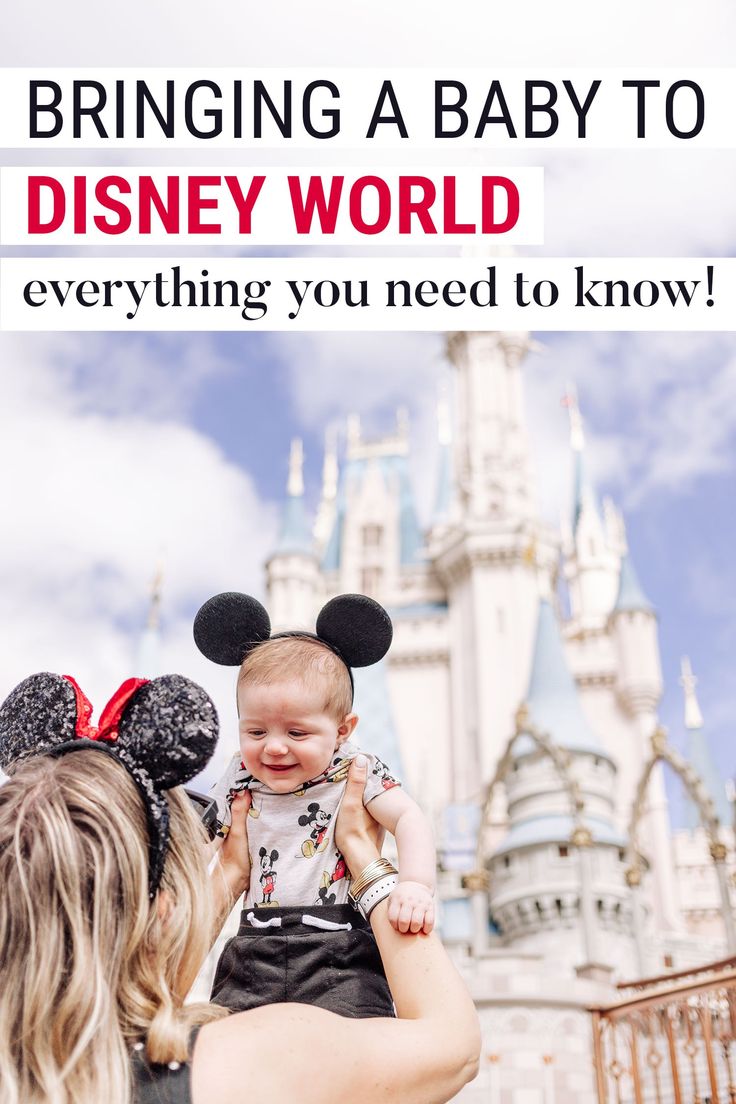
x=371, y=579
x=372, y=536
x=563, y=850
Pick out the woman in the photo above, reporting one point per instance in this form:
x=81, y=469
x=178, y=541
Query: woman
x=94, y=970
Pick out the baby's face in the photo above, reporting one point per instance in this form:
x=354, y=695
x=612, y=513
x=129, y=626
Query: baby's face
x=286, y=738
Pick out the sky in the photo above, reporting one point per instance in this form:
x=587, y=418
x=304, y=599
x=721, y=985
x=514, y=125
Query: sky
x=121, y=451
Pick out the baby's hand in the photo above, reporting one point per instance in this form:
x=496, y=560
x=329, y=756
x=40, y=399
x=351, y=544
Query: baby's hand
x=411, y=908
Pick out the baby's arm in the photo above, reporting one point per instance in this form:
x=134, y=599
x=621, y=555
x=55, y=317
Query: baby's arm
x=411, y=904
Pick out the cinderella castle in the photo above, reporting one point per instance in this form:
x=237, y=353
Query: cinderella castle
x=519, y=704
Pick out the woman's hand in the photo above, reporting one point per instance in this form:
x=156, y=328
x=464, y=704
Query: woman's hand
x=230, y=868
x=358, y=836
x=234, y=854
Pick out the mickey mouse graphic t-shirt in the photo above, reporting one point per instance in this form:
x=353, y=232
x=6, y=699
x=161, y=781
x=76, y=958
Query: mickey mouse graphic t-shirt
x=291, y=836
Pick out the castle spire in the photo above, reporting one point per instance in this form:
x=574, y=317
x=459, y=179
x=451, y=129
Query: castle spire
x=577, y=436
x=295, y=535
x=291, y=570
x=631, y=594
x=148, y=657
x=591, y=566
x=584, y=496
x=443, y=491
x=699, y=750
x=688, y=682
x=330, y=475
x=295, y=485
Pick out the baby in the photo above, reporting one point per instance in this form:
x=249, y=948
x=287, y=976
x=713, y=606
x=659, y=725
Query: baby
x=300, y=939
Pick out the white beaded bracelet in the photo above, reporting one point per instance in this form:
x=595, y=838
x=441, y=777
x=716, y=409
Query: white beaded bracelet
x=376, y=893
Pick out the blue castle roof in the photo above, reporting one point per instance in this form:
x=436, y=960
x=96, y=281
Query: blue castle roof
x=555, y=710
x=376, y=730
x=557, y=828
x=392, y=468
x=630, y=595
x=295, y=534
x=702, y=761
x=552, y=697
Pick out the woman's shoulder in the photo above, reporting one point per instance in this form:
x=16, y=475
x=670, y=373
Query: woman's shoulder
x=243, y=1057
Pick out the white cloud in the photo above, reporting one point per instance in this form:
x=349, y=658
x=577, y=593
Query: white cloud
x=660, y=408
x=91, y=503
x=332, y=375
x=639, y=203
x=663, y=408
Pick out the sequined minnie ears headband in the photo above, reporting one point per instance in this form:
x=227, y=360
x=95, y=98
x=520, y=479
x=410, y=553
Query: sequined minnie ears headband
x=353, y=626
x=163, y=732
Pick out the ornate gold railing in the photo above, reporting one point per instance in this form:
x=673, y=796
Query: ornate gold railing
x=671, y=1041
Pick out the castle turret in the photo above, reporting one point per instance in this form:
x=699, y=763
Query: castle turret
x=292, y=570
x=490, y=554
x=633, y=627
x=491, y=459
x=557, y=882
x=591, y=565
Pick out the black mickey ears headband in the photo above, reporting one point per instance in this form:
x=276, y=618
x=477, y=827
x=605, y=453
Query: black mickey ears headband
x=353, y=626
x=163, y=732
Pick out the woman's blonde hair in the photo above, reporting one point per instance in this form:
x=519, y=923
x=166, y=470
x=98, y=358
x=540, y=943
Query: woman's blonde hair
x=88, y=964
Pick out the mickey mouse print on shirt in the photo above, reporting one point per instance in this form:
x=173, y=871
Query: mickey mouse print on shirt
x=267, y=876
x=300, y=827
x=319, y=820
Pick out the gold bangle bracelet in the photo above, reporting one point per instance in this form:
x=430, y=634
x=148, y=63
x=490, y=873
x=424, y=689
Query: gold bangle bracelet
x=376, y=869
x=372, y=873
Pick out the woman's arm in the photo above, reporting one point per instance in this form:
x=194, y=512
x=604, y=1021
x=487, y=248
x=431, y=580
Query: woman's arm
x=315, y=1057
x=230, y=865
x=427, y=990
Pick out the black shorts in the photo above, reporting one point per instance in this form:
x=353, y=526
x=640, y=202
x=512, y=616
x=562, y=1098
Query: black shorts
x=338, y=970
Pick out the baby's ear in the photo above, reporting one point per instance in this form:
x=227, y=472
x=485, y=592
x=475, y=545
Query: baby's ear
x=346, y=728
